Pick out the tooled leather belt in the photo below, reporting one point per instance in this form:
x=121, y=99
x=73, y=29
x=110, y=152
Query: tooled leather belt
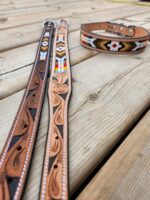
x=132, y=39
x=55, y=172
x=16, y=154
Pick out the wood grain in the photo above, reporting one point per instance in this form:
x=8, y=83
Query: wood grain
x=26, y=54
x=17, y=79
x=114, y=92
x=144, y=17
x=109, y=92
x=16, y=71
x=12, y=35
x=72, y=9
x=126, y=175
x=17, y=152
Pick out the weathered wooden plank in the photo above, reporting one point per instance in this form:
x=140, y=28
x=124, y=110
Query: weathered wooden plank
x=20, y=57
x=144, y=17
x=26, y=34
x=12, y=4
x=109, y=94
x=16, y=71
x=126, y=175
x=21, y=5
x=58, y=7
x=17, y=79
x=54, y=8
x=72, y=14
x=147, y=25
x=64, y=10
x=18, y=2
x=23, y=35
x=19, y=36
x=114, y=88
x=131, y=2
x=26, y=54
x=17, y=58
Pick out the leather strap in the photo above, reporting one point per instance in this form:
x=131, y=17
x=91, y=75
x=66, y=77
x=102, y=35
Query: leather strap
x=55, y=172
x=133, y=39
x=17, y=152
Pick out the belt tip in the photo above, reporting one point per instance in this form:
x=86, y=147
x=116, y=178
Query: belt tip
x=49, y=22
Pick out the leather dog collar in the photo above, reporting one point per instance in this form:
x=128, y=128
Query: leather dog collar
x=55, y=171
x=17, y=152
x=133, y=39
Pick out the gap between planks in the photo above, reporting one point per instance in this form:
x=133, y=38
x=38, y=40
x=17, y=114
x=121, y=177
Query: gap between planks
x=96, y=124
x=22, y=20
x=18, y=36
x=27, y=5
x=8, y=65
x=25, y=33
x=16, y=80
x=126, y=175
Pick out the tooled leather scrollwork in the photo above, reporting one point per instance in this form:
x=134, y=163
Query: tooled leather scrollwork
x=17, y=152
x=55, y=174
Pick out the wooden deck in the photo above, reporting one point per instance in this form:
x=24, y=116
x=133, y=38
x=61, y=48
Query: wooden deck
x=109, y=117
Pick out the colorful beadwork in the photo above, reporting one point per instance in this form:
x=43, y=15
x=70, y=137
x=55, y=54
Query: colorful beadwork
x=60, y=66
x=113, y=46
x=55, y=174
x=17, y=152
x=44, y=46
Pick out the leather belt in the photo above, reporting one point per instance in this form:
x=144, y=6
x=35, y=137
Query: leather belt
x=55, y=171
x=17, y=152
x=132, y=39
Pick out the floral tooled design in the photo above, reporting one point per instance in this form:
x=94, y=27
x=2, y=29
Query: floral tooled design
x=60, y=89
x=16, y=155
x=54, y=182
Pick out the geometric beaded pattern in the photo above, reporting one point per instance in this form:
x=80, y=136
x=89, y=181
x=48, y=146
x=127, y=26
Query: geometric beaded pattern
x=17, y=152
x=60, y=65
x=113, y=46
x=55, y=174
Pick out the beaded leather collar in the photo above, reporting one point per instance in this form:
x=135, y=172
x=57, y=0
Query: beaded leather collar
x=133, y=39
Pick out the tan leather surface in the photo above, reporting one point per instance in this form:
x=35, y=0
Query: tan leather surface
x=17, y=152
x=133, y=39
x=55, y=172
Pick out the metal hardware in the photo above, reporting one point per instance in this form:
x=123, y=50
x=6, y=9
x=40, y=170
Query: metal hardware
x=113, y=25
x=61, y=21
x=49, y=22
